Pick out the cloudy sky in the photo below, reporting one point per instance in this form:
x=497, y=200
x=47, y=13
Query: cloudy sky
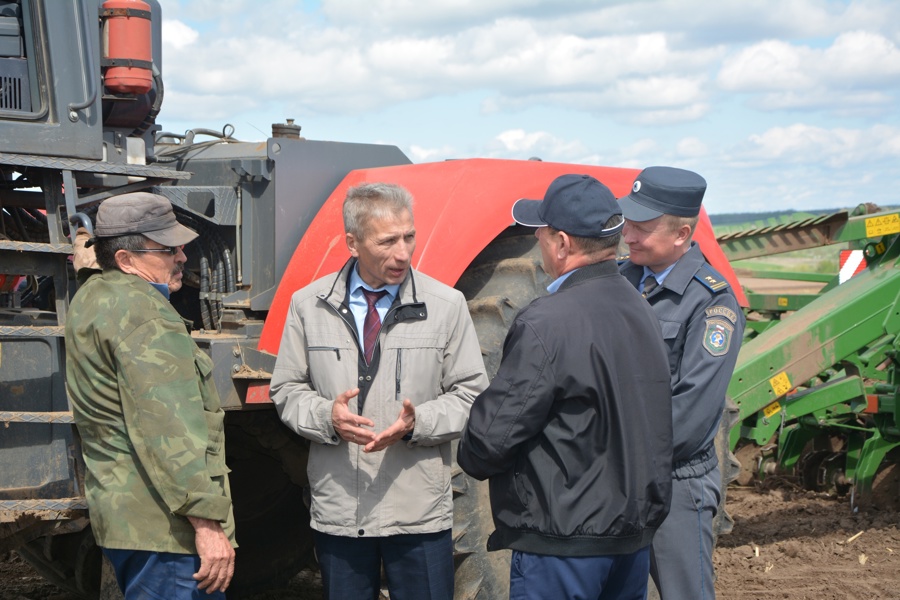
x=780, y=104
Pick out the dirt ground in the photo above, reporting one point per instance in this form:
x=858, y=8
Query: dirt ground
x=787, y=543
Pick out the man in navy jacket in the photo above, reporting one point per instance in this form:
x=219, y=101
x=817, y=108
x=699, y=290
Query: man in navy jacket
x=574, y=431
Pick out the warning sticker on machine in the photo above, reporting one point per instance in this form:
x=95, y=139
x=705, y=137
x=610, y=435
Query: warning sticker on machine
x=884, y=225
x=772, y=409
x=781, y=384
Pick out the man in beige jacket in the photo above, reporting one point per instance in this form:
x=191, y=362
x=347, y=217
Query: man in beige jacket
x=378, y=368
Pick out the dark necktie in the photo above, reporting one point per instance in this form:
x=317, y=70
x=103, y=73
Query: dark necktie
x=649, y=285
x=372, y=324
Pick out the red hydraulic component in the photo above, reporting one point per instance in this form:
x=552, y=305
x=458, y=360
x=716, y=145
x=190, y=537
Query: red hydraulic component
x=460, y=207
x=127, y=46
x=9, y=283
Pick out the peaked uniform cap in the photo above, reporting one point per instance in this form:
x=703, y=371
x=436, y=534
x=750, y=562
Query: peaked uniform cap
x=661, y=191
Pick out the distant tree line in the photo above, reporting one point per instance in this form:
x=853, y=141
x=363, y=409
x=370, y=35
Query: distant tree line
x=776, y=217
x=762, y=219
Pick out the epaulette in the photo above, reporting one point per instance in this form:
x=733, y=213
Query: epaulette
x=711, y=278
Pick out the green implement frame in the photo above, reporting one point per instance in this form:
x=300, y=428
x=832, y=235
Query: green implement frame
x=822, y=381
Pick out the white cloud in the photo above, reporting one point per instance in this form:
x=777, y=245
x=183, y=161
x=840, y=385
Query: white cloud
x=860, y=71
x=518, y=143
x=691, y=148
x=178, y=35
x=337, y=69
x=805, y=144
x=621, y=83
x=419, y=154
x=192, y=108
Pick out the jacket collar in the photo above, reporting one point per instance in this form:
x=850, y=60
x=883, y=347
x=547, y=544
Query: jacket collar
x=681, y=274
x=337, y=294
x=603, y=268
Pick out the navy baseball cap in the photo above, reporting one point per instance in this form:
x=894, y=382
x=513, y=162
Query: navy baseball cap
x=577, y=204
x=661, y=191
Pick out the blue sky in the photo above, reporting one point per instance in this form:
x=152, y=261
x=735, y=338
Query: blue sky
x=779, y=104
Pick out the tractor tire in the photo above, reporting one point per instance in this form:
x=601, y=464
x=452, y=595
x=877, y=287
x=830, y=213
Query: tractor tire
x=268, y=478
x=503, y=279
x=729, y=468
x=70, y=561
x=268, y=474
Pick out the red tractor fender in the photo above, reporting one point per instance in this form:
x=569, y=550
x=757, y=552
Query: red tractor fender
x=460, y=207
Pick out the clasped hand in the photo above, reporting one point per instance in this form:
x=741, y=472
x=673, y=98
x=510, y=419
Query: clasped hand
x=357, y=429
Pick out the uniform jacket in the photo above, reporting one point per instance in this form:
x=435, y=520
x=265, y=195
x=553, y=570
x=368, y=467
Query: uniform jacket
x=428, y=352
x=148, y=413
x=702, y=325
x=574, y=431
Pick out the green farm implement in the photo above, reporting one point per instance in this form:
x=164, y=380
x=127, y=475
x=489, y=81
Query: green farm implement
x=817, y=383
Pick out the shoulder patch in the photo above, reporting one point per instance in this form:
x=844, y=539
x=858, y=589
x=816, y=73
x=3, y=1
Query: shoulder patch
x=710, y=278
x=717, y=337
x=721, y=311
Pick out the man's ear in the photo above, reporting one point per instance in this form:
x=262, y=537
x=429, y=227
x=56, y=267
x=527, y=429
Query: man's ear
x=351, y=245
x=564, y=247
x=683, y=235
x=125, y=261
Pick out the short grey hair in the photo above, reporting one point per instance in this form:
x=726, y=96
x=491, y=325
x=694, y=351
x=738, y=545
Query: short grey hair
x=372, y=201
x=105, y=248
x=592, y=246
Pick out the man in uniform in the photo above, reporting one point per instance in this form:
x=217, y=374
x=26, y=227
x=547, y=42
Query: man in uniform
x=378, y=367
x=569, y=430
x=702, y=326
x=148, y=412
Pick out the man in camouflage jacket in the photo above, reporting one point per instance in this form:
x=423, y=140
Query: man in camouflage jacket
x=147, y=411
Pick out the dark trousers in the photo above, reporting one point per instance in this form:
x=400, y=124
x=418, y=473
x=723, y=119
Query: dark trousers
x=612, y=577
x=418, y=566
x=681, y=557
x=144, y=575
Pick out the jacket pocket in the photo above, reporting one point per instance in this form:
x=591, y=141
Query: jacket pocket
x=215, y=443
x=671, y=333
x=520, y=481
x=332, y=361
x=215, y=416
x=204, y=366
x=418, y=366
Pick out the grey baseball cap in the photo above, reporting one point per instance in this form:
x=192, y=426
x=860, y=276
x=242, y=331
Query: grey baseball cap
x=141, y=212
x=580, y=205
x=661, y=191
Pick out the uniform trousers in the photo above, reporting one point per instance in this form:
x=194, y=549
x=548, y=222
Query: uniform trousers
x=611, y=577
x=145, y=575
x=681, y=555
x=417, y=566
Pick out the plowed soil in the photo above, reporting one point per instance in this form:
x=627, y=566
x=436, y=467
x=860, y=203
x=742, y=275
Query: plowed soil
x=787, y=543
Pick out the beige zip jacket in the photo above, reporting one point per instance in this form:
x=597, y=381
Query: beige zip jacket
x=427, y=352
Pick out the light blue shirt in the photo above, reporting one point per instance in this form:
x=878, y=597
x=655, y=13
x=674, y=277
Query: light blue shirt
x=358, y=305
x=559, y=281
x=660, y=277
x=162, y=287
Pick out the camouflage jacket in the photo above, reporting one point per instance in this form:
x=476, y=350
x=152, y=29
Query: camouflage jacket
x=151, y=425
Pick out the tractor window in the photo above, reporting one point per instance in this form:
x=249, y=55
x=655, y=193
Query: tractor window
x=21, y=62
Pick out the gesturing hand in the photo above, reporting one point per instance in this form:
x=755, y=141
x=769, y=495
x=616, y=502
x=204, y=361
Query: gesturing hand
x=348, y=425
x=405, y=423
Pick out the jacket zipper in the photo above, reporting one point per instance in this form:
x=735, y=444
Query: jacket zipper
x=397, y=388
